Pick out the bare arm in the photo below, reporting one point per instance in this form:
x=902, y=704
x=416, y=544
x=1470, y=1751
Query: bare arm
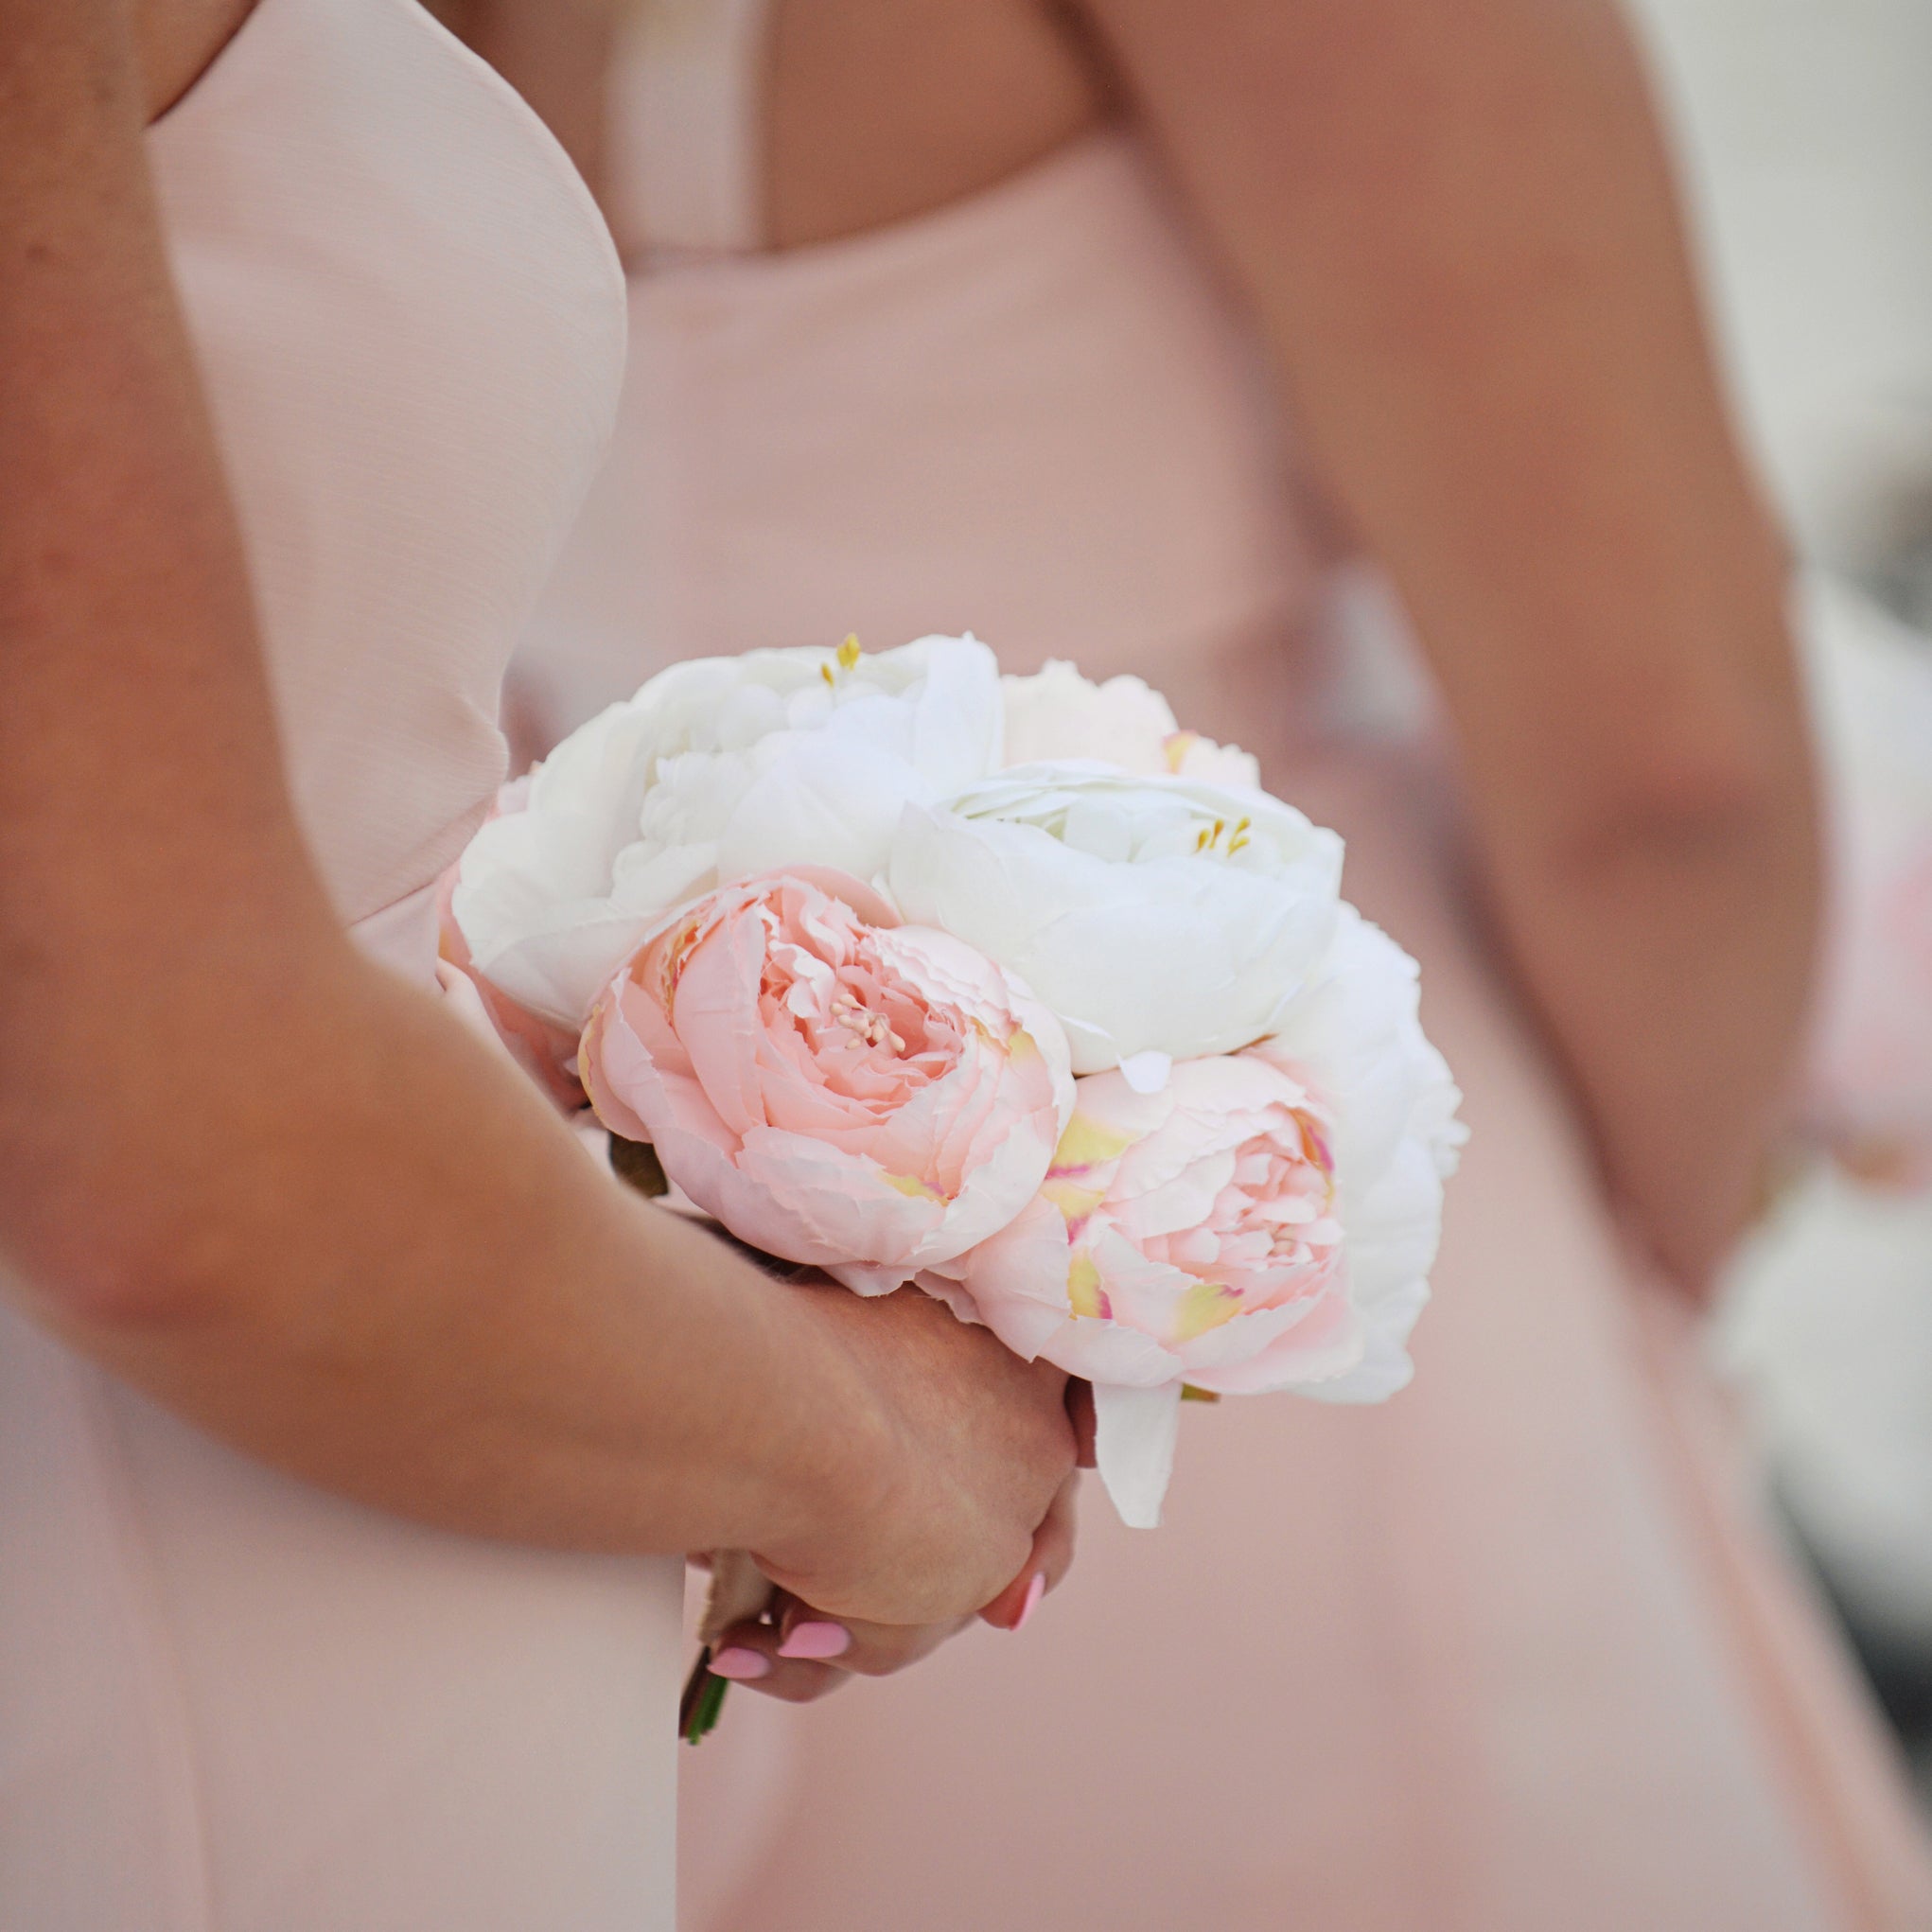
x=1457, y=223
x=264, y=1179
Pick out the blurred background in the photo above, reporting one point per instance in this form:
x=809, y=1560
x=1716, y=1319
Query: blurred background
x=1806, y=127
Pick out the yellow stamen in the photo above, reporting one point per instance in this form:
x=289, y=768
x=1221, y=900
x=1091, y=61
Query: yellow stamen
x=1190, y=1393
x=825, y=672
x=848, y=653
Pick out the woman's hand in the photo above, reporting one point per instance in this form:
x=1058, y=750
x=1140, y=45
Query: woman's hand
x=968, y=1447
x=800, y=1653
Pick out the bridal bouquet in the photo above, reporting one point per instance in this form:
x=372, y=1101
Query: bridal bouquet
x=1004, y=987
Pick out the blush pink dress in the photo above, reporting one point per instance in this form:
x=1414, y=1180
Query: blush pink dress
x=230, y=1703
x=1509, y=1655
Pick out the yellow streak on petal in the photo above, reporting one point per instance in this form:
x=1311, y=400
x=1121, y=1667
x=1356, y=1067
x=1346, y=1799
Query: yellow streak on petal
x=1083, y=1286
x=912, y=1185
x=1087, y=1143
x=848, y=653
x=1176, y=746
x=1205, y=1306
x=1074, y=1202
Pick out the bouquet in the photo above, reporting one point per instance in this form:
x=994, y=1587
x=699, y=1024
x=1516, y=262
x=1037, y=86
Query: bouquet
x=1006, y=988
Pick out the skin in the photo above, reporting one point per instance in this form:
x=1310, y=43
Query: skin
x=1456, y=229
x=265, y=1180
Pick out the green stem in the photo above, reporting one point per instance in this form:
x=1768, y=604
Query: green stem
x=703, y=1702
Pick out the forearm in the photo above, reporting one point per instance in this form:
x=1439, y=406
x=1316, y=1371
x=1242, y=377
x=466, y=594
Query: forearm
x=1458, y=227
x=1671, y=960
x=358, y=1250
x=238, y=1164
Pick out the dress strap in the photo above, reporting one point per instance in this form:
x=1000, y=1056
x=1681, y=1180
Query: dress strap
x=685, y=154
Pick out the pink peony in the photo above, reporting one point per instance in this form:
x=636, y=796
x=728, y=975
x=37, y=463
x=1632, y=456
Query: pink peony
x=1187, y=1234
x=834, y=1088
x=1266, y=1220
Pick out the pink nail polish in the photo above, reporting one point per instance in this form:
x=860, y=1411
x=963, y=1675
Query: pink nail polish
x=1035, y=1590
x=819, y=1641
x=740, y=1664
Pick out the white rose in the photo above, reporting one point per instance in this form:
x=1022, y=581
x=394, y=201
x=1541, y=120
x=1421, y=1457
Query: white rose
x=1058, y=715
x=717, y=768
x=1159, y=918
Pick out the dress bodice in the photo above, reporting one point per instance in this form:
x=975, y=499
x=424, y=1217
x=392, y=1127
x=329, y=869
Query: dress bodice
x=1033, y=414
x=410, y=321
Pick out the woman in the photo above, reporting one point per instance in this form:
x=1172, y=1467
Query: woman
x=978, y=312
x=352, y=1424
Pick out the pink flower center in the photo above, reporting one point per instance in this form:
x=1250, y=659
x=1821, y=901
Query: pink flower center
x=1270, y=1237
x=832, y=1002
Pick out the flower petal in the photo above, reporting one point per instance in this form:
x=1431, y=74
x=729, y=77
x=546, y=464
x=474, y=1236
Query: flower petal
x=1135, y=1431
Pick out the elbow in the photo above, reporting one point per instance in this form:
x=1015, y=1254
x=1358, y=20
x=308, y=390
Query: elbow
x=94, y=1259
x=1690, y=798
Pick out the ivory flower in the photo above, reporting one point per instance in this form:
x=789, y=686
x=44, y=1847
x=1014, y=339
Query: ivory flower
x=717, y=768
x=1057, y=713
x=547, y=1053
x=1160, y=917
x=833, y=1087
x=1266, y=1220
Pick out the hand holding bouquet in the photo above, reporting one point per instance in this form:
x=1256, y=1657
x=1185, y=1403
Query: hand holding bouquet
x=1008, y=987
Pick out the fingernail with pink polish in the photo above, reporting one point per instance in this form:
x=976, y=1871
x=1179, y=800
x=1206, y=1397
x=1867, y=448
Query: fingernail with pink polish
x=818, y=1642
x=1035, y=1590
x=740, y=1664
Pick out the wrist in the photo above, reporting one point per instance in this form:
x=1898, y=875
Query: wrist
x=839, y=1465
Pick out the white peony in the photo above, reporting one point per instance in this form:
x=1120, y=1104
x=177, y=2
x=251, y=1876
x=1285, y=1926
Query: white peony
x=1058, y=714
x=716, y=769
x=1357, y=1032
x=1159, y=918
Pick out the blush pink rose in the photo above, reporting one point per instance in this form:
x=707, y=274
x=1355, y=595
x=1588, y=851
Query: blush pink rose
x=834, y=1088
